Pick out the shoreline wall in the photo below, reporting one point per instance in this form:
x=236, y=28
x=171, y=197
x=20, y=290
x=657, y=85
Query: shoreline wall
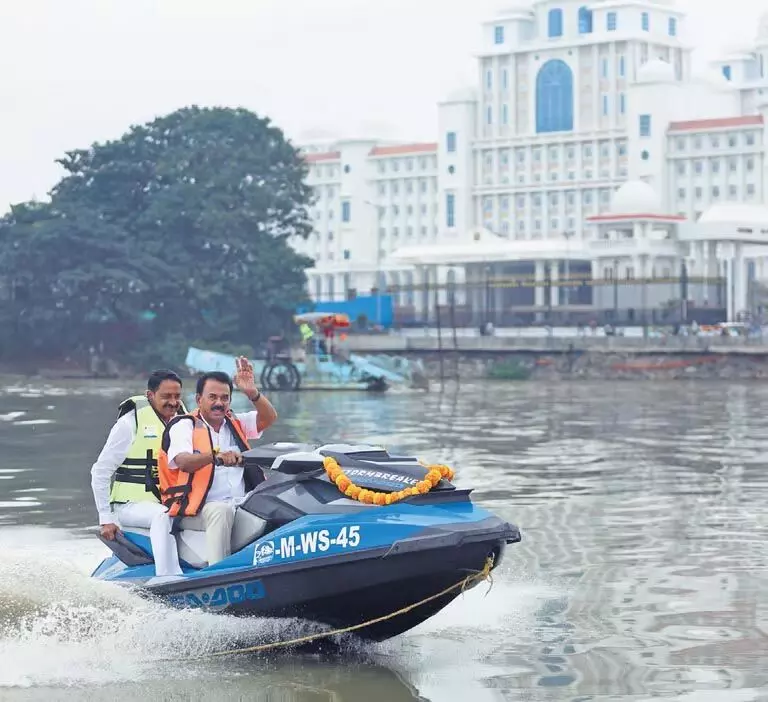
x=579, y=358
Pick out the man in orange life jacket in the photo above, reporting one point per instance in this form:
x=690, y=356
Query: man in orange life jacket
x=200, y=462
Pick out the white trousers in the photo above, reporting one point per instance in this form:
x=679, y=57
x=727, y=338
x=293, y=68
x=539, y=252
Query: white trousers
x=217, y=520
x=153, y=516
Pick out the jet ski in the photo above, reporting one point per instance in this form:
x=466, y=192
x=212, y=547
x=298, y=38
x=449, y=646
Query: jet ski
x=302, y=549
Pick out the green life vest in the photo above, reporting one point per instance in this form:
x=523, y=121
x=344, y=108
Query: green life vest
x=136, y=479
x=306, y=332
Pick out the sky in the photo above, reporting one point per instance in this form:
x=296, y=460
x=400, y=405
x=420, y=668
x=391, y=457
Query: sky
x=75, y=72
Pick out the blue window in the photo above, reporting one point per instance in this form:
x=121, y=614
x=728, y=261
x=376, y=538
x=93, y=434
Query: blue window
x=604, y=67
x=585, y=21
x=450, y=142
x=450, y=210
x=605, y=105
x=645, y=125
x=505, y=79
x=504, y=114
x=672, y=27
x=489, y=115
x=554, y=97
x=346, y=211
x=645, y=22
x=346, y=254
x=727, y=72
x=622, y=103
x=498, y=35
x=610, y=19
x=555, y=23
x=622, y=66
x=488, y=80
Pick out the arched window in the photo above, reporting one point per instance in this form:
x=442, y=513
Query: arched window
x=554, y=97
x=585, y=21
x=555, y=23
x=318, y=287
x=331, y=288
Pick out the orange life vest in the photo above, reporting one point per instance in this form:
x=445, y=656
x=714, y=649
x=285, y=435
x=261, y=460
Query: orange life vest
x=184, y=493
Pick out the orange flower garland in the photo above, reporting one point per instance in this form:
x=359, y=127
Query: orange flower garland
x=371, y=497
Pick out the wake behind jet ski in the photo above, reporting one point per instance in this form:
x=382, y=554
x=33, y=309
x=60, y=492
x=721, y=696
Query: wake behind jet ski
x=301, y=548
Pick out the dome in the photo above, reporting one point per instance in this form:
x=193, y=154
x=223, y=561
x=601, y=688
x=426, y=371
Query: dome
x=735, y=213
x=514, y=8
x=462, y=95
x=656, y=71
x=714, y=76
x=635, y=197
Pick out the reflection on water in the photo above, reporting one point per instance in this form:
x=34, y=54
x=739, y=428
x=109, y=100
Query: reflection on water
x=641, y=573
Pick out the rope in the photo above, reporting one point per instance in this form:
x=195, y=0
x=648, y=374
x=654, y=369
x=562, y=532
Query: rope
x=484, y=574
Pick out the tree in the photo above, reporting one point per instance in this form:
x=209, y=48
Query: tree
x=184, y=221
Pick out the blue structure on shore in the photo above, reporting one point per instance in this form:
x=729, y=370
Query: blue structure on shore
x=371, y=310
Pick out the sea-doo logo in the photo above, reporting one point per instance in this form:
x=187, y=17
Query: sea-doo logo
x=380, y=475
x=264, y=554
x=220, y=596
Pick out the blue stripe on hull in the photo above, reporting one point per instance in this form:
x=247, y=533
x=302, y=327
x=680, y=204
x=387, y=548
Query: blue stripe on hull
x=315, y=537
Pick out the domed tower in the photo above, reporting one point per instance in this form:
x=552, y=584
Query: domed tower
x=651, y=104
x=457, y=131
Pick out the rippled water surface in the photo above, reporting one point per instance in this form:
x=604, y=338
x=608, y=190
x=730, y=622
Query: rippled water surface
x=641, y=574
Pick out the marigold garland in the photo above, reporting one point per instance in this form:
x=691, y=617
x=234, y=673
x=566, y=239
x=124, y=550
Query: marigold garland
x=435, y=473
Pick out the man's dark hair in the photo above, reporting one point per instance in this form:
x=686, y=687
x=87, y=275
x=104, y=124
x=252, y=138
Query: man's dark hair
x=159, y=376
x=219, y=376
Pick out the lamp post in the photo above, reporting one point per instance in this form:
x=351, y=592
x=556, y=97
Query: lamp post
x=683, y=292
x=567, y=300
x=487, y=271
x=379, y=242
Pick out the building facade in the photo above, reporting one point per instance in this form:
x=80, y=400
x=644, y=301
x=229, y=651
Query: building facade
x=589, y=152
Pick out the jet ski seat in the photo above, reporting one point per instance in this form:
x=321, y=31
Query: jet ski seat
x=191, y=542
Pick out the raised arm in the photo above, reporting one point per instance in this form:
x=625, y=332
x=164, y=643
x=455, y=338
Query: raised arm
x=246, y=383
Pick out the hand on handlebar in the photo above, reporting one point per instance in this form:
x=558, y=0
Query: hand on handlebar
x=229, y=458
x=110, y=531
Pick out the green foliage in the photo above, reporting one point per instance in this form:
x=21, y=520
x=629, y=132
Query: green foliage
x=179, y=230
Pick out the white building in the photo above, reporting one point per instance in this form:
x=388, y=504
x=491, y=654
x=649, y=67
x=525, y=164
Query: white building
x=372, y=199
x=572, y=101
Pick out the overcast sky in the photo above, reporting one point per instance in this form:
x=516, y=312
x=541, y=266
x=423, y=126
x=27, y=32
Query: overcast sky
x=77, y=71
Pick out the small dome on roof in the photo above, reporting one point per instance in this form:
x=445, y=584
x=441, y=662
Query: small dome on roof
x=462, y=95
x=513, y=8
x=656, y=71
x=635, y=197
x=738, y=213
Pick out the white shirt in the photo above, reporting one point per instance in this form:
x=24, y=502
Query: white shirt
x=228, y=482
x=113, y=454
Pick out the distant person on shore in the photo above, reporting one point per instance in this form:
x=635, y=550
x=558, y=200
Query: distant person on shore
x=124, y=478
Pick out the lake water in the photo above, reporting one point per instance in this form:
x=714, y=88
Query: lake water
x=642, y=573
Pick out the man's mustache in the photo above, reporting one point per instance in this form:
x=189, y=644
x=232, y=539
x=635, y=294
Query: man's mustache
x=220, y=408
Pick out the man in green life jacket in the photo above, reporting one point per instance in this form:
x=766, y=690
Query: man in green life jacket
x=124, y=477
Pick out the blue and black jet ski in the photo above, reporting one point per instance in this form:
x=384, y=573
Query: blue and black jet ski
x=302, y=549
